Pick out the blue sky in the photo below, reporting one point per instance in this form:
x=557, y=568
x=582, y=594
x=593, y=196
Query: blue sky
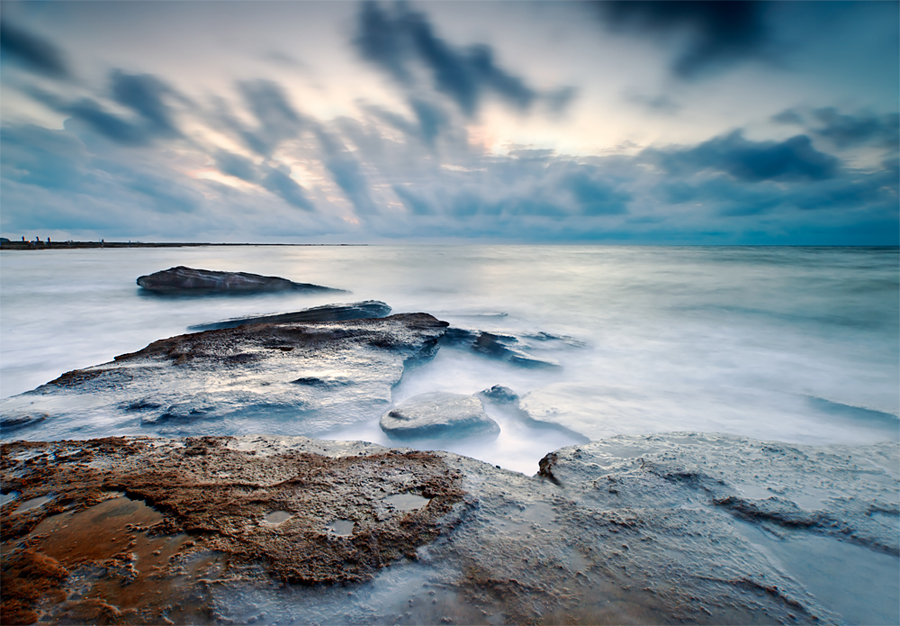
x=608, y=122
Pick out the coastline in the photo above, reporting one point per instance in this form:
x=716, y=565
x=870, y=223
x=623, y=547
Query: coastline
x=66, y=245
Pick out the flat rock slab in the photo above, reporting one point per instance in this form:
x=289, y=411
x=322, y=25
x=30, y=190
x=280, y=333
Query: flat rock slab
x=187, y=280
x=439, y=415
x=677, y=528
x=290, y=378
x=369, y=309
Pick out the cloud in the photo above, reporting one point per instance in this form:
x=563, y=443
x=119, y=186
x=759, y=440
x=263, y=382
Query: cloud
x=401, y=40
x=346, y=172
x=794, y=159
x=277, y=119
x=713, y=34
x=854, y=130
x=845, y=130
x=142, y=93
x=662, y=103
x=32, y=52
x=429, y=121
x=286, y=188
x=236, y=165
x=272, y=179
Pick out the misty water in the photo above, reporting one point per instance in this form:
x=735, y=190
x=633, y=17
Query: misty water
x=792, y=344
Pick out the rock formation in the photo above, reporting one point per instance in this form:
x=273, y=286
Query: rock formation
x=674, y=528
x=439, y=415
x=186, y=280
x=328, y=313
x=269, y=377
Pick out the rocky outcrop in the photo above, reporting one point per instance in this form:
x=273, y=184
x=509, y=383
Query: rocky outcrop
x=271, y=377
x=503, y=347
x=369, y=309
x=439, y=415
x=186, y=280
x=673, y=528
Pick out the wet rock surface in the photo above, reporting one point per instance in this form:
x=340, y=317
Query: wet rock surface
x=270, y=377
x=655, y=529
x=369, y=309
x=187, y=280
x=439, y=414
x=503, y=347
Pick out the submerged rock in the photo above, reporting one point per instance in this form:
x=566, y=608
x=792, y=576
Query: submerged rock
x=673, y=528
x=502, y=347
x=328, y=313
x=187, y=280
x=439, y=414
x=292, y=378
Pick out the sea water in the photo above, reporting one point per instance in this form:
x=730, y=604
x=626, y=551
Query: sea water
x=793, y=344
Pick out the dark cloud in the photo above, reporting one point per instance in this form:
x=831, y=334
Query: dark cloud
x=277, y=119
x=236, y=165
x=271, y=179
x=286, y=188
x=875, y=192
x=430, y=120
x=794, y=159
x=395, y=40
x=846, y=130
x=853, y=130
x=718, y=32
x=594, y=196
x=32, y=52
x=141, y=93
x=144, y=94
x=90, y=113
x=417, y=204
x=346, y=172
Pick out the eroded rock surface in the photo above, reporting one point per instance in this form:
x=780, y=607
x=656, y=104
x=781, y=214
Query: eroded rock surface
x=675, y=528
x=438, y=415
x=187, y=280
x=269, y=377
x=328, y=313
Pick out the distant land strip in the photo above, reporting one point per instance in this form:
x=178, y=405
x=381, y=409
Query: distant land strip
x=6, y=244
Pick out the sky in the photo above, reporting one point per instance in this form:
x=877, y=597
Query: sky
x=721, y=123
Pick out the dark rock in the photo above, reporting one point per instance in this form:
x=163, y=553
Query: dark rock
x=369, y=309
x=186, y=280
x=495, y=346
x=500, y=395
x=439, y=415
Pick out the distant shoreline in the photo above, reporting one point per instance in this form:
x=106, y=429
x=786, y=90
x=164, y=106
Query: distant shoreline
x=65, y=245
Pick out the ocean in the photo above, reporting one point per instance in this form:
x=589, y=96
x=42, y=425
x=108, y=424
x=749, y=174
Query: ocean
x=799, y=345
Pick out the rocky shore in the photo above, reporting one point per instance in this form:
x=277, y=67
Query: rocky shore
x=206, y=527
x=663, y=529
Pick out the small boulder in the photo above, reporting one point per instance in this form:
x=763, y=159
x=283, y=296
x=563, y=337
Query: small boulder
x=439, y=414
x=187, y=280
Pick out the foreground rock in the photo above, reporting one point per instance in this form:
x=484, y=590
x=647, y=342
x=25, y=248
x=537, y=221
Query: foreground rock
x=187, y=280
x=369, y=309
x=662, y=529
x=438, y=415
x=291, y=378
